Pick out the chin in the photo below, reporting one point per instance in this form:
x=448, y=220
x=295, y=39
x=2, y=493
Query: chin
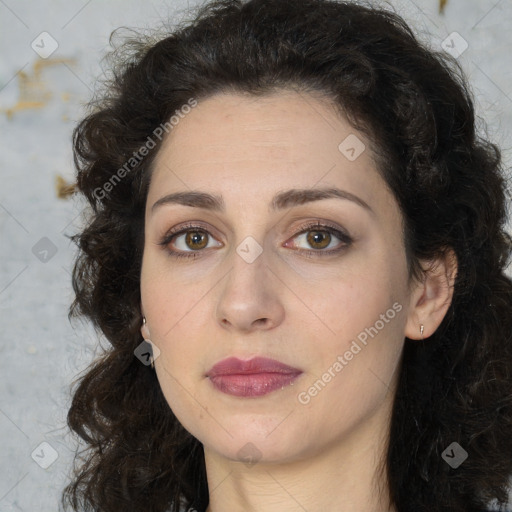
x=253, y=442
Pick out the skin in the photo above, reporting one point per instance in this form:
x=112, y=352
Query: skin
x=303, y=311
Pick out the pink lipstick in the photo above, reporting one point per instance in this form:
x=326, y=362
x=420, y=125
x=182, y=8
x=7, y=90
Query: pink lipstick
x=256, y=377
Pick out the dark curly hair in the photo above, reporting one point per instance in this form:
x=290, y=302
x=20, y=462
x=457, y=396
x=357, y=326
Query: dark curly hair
x=414, y=104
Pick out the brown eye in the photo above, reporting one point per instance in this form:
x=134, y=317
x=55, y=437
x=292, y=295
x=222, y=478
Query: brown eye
x=196, y=240
x=318, y=239
x=188, y=242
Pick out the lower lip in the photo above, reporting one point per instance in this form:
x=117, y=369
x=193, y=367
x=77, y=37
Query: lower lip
x=254, y=384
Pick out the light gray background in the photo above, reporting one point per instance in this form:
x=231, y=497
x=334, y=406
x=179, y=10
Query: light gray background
x=41, y=353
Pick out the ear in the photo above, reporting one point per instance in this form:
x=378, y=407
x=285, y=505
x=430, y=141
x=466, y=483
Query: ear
x=431, y=298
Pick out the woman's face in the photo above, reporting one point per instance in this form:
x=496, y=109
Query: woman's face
x=329, y=304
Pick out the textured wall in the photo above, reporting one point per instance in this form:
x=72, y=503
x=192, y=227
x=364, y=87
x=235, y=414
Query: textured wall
x=50, y=57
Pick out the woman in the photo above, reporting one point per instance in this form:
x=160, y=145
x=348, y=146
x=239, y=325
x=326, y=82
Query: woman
x=293, y=219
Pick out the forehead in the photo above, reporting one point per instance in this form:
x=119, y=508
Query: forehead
x=254, y=145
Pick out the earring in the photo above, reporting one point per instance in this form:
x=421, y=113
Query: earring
x=421, y=331
x=151, y=346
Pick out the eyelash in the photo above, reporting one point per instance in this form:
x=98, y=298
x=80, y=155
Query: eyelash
x=312, y=226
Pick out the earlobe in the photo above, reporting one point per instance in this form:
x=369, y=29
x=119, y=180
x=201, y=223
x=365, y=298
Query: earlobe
x=144, y=330
x=431, y=299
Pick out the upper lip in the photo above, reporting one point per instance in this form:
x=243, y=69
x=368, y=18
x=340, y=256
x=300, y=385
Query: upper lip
x=235, y=366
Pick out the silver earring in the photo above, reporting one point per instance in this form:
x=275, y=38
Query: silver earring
x=149, y=341
x=421, y=331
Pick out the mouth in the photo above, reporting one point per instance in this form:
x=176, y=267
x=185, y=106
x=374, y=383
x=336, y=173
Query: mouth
x=256, y=377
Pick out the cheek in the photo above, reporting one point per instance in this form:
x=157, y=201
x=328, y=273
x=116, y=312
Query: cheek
x=351, y=372
x=346, y=302
x=171, y=308
x=176, y=327
x=362, y=323
x=177, y=330
x=166, y=295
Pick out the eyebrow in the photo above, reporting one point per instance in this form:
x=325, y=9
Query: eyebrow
x=287, y=199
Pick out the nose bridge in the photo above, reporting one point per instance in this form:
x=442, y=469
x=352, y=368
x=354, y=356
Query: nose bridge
x=250, y=234
x=248, y=266
x=248, y=295
x=253, y=250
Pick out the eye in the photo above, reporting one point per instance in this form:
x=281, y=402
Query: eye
x=189, y=241
x=194, y=240
x=320, y=236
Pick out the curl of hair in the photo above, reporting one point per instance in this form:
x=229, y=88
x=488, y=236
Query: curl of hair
x=415, y=107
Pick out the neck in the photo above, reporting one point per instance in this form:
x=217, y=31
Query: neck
x=346, y=476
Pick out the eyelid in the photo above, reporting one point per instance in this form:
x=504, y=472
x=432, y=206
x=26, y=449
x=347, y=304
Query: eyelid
x=188, y=226
x=320, y=225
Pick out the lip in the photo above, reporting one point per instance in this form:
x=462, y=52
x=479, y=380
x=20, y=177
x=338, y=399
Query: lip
x=255, y=377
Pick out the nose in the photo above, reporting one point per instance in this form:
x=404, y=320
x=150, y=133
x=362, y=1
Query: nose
x=250, y=296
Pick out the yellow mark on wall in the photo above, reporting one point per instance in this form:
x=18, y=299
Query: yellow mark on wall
x=442, y=5
x=33, y=92
x=64, y=189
